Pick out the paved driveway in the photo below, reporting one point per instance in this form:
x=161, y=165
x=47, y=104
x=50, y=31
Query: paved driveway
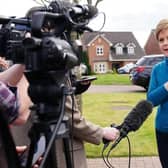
x=114, y=88
x=122, y=162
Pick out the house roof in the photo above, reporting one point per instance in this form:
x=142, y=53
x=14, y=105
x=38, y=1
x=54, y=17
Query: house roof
x=152, y=46
x=102, y=36
x=114, y=38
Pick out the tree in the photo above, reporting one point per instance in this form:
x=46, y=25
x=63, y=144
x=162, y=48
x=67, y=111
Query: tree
x=89, y=2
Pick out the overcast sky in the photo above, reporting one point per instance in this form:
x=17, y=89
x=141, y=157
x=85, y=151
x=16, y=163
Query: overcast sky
x=137, y=16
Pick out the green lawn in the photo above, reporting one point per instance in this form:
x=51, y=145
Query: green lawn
x=112, y=79
x=105, y=109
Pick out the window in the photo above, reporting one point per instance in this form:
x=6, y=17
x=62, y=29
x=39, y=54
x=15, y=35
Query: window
x=131, y=50
x=119, y=48
x=99, y=50
x=100, y=67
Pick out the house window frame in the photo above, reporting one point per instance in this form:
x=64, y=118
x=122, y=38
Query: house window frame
x=119, y=48
x=131, y=48
x=100, y=67
x=99, y=50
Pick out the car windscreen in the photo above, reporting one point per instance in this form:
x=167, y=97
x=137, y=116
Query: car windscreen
x=149, y=61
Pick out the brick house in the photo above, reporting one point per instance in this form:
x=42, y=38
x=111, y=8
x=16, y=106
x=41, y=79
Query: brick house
x=110, y=50
x=151, y=46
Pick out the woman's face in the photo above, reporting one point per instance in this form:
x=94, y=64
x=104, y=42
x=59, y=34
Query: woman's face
x=163, y=41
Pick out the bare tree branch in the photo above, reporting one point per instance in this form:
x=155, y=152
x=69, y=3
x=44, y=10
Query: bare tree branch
x=97, y=2
x=89, y=2
x=76, y=1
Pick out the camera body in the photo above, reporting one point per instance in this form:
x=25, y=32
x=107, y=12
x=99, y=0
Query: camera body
x=48, y=53
x=46, y=49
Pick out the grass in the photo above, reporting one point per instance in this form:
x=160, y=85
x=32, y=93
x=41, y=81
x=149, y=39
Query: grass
x=105, y=109
x=112, y=79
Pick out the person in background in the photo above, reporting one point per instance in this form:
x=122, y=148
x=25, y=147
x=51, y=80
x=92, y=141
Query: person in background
x=14, y=101
x=158, y=92
x=83, y=131
x=13, y=85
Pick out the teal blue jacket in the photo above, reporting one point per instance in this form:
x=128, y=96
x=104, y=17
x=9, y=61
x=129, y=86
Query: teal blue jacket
x=158, y=94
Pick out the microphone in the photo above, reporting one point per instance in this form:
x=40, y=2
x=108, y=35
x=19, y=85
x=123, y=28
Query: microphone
x=133, y=120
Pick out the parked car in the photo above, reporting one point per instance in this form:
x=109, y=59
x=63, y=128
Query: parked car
x=126, y=68
x=140, y=74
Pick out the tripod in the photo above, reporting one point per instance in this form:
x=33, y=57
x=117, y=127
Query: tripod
x=49, y=120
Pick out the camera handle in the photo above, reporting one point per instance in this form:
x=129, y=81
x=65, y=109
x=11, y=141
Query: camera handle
x=52, y=130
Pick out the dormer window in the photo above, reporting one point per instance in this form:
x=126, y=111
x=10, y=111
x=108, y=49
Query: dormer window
x=99, y=50
x=131, y=48
x=119, y=48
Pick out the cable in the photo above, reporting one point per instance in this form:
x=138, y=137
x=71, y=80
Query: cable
x=129, y=152
x=103, y=21
x=54, y=134
x=108, y=154
x=72, y=130
x=107, y=162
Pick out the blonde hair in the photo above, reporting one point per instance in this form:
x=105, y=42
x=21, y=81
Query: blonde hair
x=162, y=25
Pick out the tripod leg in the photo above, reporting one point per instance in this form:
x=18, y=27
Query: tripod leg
x=34, y=137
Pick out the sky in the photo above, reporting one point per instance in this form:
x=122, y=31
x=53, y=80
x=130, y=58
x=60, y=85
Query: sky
x=137, y=16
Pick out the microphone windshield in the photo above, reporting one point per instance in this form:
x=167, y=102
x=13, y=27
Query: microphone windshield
x=133, y=120
x=138, y=115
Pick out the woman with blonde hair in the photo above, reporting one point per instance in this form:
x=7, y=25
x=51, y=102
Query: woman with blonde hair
x=158, y=92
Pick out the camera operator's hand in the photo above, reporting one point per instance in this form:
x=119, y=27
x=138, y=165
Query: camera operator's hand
x=14, y=76
x=110, y=133
x=37, y=165
x=81, y=86
x=21, y=149
x=3, y=63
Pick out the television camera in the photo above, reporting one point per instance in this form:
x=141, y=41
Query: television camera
x=43, y=42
